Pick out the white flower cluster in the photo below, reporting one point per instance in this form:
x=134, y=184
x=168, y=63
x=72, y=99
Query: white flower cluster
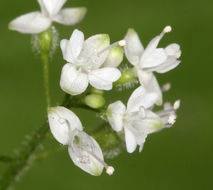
x=94, y=61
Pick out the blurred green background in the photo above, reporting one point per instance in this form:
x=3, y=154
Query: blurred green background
x=176, y=158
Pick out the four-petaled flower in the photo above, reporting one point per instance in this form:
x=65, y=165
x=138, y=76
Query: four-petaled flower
x=85, y=60
x=146, y=61
x=51, y=10
x=137, y=120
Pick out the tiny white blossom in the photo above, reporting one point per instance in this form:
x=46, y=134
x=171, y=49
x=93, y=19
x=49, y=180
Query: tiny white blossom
x=152, y=59
x=83, y=149
x=85, y=60
x=137, y=120
x=51, y=10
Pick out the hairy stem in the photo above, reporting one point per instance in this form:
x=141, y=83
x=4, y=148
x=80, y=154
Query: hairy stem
x=26, y=155
x=45, y=60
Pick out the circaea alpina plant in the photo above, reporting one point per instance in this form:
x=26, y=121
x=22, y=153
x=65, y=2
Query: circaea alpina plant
x=93, y=66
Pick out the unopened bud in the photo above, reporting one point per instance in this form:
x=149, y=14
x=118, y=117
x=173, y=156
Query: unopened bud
x=94, y=101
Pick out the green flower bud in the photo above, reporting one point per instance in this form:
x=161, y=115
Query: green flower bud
x=127, y=76
x=94, y=101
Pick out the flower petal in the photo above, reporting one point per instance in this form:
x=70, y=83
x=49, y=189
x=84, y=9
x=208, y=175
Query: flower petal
x=92, y=50
x=70, y=16
x=155, y=88
x=103, y=78
x=72, y=48
x=62, y=121
x=131, y=143
x=86, y=153
x=168, y=65
x=72, y=81
x=115, y=114
x=51, y=7
x=141, y=97
x=134, y=47
x=155, y=58
x=114, y=58
x=31, y=23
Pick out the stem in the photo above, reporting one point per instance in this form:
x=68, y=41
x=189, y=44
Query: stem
x=45, y=60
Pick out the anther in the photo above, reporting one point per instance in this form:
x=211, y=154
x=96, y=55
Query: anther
x=172, y=119
x=167, y=29
x=176, y=104
x=110, y=170
x=166, y=87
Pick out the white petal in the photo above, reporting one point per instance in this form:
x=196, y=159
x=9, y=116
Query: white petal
x=70, y=16
x=86, y=153
x=115, y=115
x=150, y=83
x=92, y=49
x=173, y=50
x=154, y=58
x=114, y=58
x=62, y=121
x=140, y=97
x=31, y=23
x=144, y=77
x=153, y=44
x=51, y=7
x=72, y=48
x=155, y=88
x=168, y=65
x=173, y=53
x=131, y=143
x=103, y=78
x=72, y=81
x=134, y=47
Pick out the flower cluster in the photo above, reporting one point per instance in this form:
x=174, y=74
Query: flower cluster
x=95, y=62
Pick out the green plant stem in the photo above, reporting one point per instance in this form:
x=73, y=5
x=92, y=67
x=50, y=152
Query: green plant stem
x=45, y=61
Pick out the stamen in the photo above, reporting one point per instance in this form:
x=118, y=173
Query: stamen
x=167, y=29
x=167, y=105
x=119, y=43
x=172, y=119
x=166, y=87
x=176, y=105
x=110, y=170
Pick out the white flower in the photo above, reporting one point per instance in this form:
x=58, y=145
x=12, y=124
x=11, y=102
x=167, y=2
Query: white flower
x=85, y=59
x=137, y=120
x=152, y=59
x=51, y=10
x=83, y=149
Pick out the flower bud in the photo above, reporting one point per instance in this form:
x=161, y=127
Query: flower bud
x=94, y=101
x=127, y=76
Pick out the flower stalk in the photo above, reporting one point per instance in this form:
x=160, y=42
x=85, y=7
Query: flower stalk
x=45, y=40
